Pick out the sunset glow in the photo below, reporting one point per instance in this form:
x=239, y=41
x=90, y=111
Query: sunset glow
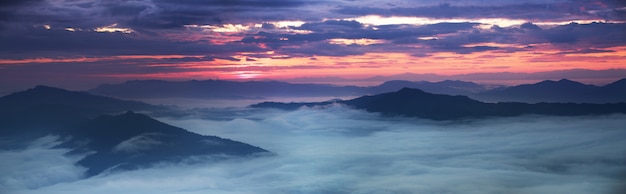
x=339, y=39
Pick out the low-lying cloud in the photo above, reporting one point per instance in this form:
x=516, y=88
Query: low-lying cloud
x=37, y=166
x=341, y=150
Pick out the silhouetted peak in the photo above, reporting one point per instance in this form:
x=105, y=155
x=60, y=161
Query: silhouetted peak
x=396, y=81
x=37, y=94
x=562, y=82
x=453, y=81
x=566, y=81
x=618, y=83
x=128, y=115
x=46, y=89
x=406, y=90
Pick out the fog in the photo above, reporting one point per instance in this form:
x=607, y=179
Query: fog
x=340, y=150
x=191, y=103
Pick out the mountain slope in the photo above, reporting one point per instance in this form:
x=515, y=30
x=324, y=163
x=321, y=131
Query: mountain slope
x=546, y=91
x=219, y=89
x=558, y=91
x=56, y=96
x=43, y=109
x=450, y=87
x=262, y=89
x=132, y=140
x=126, y=141
x=417, y=103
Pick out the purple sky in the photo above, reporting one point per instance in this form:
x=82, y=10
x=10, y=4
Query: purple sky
x=78, y=44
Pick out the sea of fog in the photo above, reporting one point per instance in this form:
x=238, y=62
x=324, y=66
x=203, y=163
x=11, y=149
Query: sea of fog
x=336, y=149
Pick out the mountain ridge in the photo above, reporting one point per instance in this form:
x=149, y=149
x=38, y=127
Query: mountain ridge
x=417, y=103
x=136, y=140
x=563, y=90
x=107, y=130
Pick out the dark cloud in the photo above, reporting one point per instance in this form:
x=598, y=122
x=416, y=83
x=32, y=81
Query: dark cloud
x=141, y=15
x=571, y=36
x=237, y=3
x=60, y=43
x=321, y=49
x=580, y=36
x=176, y=14
x=15, y=3
x=340, y=29
x=529, y=26
x=332, y=25
x=538, y=12
x=586, y=51
x=8, y=8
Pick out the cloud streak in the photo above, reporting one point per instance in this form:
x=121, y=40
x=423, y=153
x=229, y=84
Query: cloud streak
x=354, y=151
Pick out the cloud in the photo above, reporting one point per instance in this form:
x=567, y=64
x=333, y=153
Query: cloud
x=534, y=11
x=142, y=142
x=59, y=43
x=37, y=166
x=335, y=149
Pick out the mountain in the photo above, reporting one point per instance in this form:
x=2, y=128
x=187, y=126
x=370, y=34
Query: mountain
x=451, y=87
x=132, y=140
x=43, y=109
x=417, y=103
x=82, y=120
x=220, y=89
x=546, y=91
x=263, y=89
x=558, y=91
x=618, y=88
x=578, y=74
x=56, y=96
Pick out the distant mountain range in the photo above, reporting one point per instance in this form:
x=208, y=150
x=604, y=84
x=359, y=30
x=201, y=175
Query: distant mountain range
x=558, y=91
x=577, y=74
x=218, y=89
x=417, y=103
x=262, y=89
x=545, y=91
x=126, y=141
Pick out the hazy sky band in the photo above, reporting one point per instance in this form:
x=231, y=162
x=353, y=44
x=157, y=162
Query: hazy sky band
x=103, y=41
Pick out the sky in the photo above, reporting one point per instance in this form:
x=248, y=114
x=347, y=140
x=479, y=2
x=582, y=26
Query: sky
x=77, y=44
x=354, y=151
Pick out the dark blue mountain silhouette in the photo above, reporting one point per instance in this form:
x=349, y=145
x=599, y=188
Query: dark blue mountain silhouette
x=417, y=103
x=43, y=109
x=219, y=89
x=132, y=140
x=546, y=91
x=263, y=89
x=558, y=91
x=450, y=87
x=126, y=141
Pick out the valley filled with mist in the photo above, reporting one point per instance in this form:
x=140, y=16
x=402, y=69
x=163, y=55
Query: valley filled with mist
x=324, y=147
x=336, y=149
